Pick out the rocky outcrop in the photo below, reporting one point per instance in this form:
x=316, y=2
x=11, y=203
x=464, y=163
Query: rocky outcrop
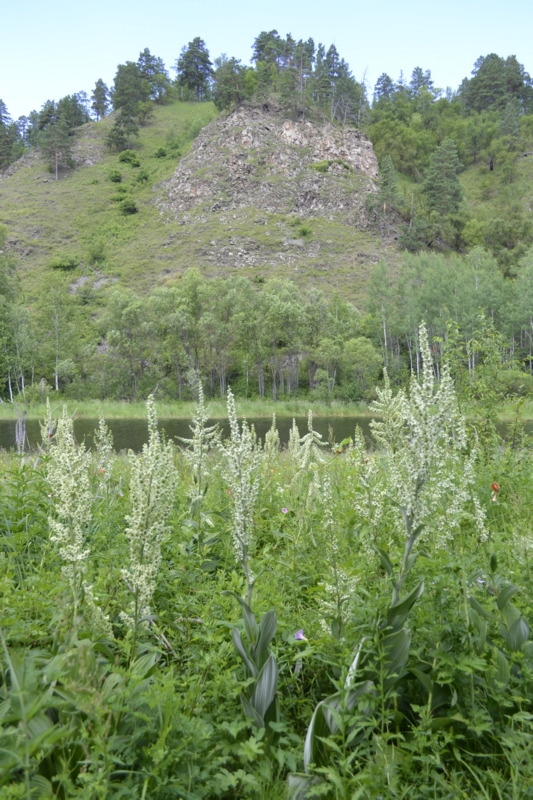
x=255, y=157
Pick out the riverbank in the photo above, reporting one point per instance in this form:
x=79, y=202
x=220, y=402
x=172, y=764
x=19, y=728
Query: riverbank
x=92, y=409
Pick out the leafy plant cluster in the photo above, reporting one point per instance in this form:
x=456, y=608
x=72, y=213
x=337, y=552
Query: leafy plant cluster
x=369, y=638
x=429, y=137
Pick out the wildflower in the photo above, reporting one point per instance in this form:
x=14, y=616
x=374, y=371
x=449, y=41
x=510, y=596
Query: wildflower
x=299, y=636
x=495, y=487
x=421, y=436
x=242, y=457
x=68, y=476
x=153, y=484
x=284, y=510
x=204, y=438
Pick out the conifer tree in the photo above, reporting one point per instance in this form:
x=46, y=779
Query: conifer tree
x=194, y=69
x=442, y=189
x=153, y=70
x=100, y=98
x=56, y=147
x=131, y=97
x=229, y=82
x=384, y=88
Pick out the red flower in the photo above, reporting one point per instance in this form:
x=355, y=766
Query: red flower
x=495, y=487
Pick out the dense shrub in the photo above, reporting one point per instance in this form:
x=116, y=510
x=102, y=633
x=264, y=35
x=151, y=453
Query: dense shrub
x=129, y=157
x=128, y=206
x=64, y=262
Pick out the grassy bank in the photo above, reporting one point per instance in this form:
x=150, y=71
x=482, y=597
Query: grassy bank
x=115, y=409
x=91, y=409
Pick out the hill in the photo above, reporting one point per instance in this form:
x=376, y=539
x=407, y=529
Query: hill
x=254, y=192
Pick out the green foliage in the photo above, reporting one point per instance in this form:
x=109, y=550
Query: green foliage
x=64, y=262
x=129, y=157
x=194, y=69
x=100, y=98
x=115, y=175
x=128, y=206
x=425, y=689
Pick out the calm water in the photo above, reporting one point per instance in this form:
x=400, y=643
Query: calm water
x=132, y=433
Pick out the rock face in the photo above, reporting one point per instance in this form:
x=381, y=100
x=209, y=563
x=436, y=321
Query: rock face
x=255, y=157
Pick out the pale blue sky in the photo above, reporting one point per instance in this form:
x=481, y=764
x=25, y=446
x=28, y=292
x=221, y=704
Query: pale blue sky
x=50, y=49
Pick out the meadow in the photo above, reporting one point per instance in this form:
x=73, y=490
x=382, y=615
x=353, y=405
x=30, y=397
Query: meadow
x=231, y=619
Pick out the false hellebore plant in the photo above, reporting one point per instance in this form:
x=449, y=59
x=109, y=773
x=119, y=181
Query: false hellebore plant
x=422, y=480
x=421, y=470
x=153, y=485
x=68, y=474
x=242, y=458
x=204, y=438
x=243, y=461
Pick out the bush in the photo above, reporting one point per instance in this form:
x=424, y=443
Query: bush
x=96, y=252
x=128, y=207
x=305, y=231
x=115, y=176
x=129, y=157
x=161, y=153
x=142, y=176
x=64, y=262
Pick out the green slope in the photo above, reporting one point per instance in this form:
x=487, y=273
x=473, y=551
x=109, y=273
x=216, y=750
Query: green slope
x=79, y=216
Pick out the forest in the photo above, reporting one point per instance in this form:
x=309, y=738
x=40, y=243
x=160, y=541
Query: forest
x=462, y=256
x=230, y=617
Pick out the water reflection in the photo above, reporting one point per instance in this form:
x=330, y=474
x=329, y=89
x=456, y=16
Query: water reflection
x=132, y=433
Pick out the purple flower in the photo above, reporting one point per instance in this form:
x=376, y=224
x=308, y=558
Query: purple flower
x=284, y=510
x=299, y=636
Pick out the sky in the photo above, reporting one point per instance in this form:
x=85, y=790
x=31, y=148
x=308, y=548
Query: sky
x=54, y=48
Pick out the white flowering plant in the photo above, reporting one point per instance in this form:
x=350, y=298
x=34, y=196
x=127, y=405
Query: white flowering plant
x=68, y=474
x=152, y=492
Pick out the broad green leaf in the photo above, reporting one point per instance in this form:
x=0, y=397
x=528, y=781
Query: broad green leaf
x=506, y=593
x=42, y=787
x=518, y=634
x=239, y=647
x=267, y=631
x=397, y=614
x=480, y=610
x=503, y=673
x=250, y=713
x=266, y=687
x=424, y=679
x=396, y=647
x=314, y=748
x=510, y=614
x=250, y=623
x=385, y=561
x=144, y=665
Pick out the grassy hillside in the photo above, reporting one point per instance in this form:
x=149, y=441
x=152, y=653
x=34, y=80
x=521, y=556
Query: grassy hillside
x=79, y=216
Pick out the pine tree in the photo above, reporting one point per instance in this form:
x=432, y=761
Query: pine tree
x=152, y=69
x=420, y=80
x=442, y=188
x=495, y=81
x=194, y=69
x=100, y=98
x=384, y=88
x=56, y=146
x=229, y=82
x=131, y=97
